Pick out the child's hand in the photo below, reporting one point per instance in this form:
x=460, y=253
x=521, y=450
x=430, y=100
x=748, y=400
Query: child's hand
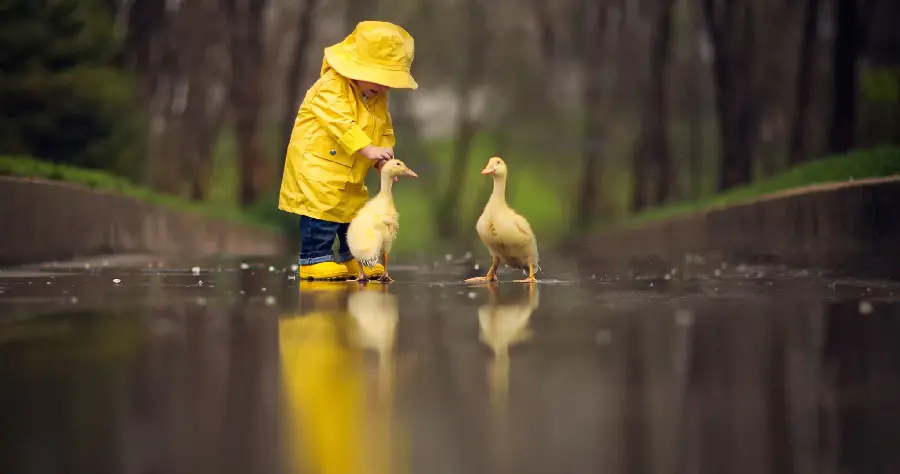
x=377, y=153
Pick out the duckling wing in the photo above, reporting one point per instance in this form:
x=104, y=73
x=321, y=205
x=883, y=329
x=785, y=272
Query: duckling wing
x=513, y=228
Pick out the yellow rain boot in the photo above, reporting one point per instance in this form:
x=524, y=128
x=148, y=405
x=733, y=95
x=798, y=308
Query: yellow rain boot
x=324, y=271
x=353, y=269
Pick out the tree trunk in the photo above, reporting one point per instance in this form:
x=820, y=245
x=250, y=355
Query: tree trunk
x=476, y=41
x=593, y=128
x=202, y=29
x=695, y=111
x=803, y=88
x=653, y=146
x=845, y=55
x=245, y=20
x=295, y=71
x=731, y=27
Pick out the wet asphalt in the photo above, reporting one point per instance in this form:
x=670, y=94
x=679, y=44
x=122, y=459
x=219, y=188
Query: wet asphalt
x=237, y=367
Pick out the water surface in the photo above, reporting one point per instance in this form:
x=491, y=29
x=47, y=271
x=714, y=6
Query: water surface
x=243, y=369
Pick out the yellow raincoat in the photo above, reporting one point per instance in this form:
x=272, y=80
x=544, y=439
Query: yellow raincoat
x=323, y=173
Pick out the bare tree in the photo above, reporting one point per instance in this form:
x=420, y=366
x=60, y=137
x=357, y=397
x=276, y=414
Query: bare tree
x=733, y=31
x=246, y=24
x=653, y=148
x=803, y=88
x=694, y=103
x=845, y=56
x=302, y=38
x=466, y=127
x=595, y=17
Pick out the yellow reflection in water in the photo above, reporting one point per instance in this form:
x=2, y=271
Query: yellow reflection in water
x=331, y=429
x=503, y=326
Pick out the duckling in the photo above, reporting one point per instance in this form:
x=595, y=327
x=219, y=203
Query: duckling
x=374, y=228
x=506, y=234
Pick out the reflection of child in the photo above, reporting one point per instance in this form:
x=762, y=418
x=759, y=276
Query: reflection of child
x=342, y=129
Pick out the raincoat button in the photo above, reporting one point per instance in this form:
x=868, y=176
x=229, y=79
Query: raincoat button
x=333, y=152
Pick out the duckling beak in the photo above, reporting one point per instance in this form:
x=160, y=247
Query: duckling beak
x=487, y=170
x=410, y=172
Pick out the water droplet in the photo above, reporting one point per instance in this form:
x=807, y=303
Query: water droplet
x=471, y=295
x=448, y=257
x=271, y=268
x=201, y=301
x=668, y=276
x=865, y=307
x=270, y=300
x=87, y=266
x=73, y=300
x=117, y=281
x=264, y=289
x=195, y=270
x=468, y=255
x=717, y=272
x=244, y=266
x=477, y=266
x=294, y=267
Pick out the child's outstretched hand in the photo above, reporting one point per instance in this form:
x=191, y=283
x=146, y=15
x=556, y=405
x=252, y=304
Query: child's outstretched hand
x=377, y=153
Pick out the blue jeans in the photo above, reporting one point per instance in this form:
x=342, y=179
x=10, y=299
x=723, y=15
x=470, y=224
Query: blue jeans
x=317, y=237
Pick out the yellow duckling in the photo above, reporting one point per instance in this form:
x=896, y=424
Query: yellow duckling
x=374, y=228
x=506, y=234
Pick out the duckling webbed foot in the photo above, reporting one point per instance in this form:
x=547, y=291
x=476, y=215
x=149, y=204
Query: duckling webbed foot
x=385, y=278
x=530, y=278
x=491, y=276
x=484, y=279
x=362, y=279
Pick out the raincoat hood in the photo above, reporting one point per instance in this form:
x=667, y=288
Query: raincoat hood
x=375, y=51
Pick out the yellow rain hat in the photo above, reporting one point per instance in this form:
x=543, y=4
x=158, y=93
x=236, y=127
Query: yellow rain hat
x=376, y=51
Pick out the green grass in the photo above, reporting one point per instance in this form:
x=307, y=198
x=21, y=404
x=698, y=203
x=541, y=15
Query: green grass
x=26, y=167
x=856, y=165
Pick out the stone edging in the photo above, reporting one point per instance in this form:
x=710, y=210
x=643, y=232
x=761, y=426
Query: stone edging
x=846, y=227
x=45, y=220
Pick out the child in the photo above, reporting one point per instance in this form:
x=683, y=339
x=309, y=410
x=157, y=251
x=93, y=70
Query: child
x=342, y=129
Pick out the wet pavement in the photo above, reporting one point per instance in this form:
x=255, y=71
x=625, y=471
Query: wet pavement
x=239, y=368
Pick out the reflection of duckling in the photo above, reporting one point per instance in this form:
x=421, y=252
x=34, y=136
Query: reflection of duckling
x=503, y=326
x=374, y=228
x=376, y=315
x=506, y=234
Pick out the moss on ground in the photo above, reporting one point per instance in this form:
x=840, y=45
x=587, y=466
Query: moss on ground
x=27, y=167
x=856, y=165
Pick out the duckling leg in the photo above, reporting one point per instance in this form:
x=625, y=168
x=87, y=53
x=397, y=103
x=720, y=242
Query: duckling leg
x=491, y=274
x=530, y=278
x=362, y=276
x=385, y=278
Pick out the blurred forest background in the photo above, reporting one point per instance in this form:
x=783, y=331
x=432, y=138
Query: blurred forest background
x=602, y=108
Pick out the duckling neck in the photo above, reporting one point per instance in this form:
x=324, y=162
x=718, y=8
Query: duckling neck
x=498, y=196
x=386, y=183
